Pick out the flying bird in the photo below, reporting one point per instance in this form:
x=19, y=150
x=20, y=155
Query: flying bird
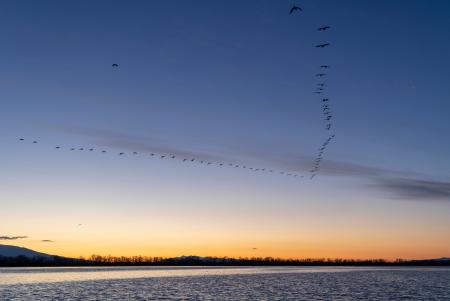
x=320, y=74
x=121, y=154
x=58, y=147
x=21, y=139
x=323, y=45
x=115, y=65
x=295, y=8
x=135, y=153
x=103, y=151
x=323, y=28
x=325, y=66
x=34, y=141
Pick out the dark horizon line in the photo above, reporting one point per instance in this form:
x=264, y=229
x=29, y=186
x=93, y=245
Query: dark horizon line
x=97, y=260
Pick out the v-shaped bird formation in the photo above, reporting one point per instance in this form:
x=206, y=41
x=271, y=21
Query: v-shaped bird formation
x=320, y=89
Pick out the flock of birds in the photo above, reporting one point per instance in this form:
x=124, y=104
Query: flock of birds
x=321, y=86
x=320, y=90
x=162, y=156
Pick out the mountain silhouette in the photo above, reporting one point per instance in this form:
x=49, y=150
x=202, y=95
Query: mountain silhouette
x=13, y=251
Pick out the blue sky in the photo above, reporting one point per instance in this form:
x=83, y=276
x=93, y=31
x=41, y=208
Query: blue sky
x=227, y=81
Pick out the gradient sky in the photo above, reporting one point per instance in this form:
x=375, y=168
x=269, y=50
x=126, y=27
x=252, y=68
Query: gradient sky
x=228, y=81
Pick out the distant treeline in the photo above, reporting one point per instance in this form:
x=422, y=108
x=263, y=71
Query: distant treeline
x=98, y=260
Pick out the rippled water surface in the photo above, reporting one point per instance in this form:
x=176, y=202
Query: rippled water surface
x=176, y=283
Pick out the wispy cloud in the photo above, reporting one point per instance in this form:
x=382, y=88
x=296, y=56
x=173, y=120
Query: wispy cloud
x=406, y=185
x=400, y=184
x=416, y=189
x=12, y=237
x=146, y=144
x=47, y=240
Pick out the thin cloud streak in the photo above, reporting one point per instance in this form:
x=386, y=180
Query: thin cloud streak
x=401, y=184
x=135, y=143
x=405, y=185
x=415, y=189
x=12, y=237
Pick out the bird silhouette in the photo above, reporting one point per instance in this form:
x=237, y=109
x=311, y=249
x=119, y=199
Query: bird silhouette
x=323, y=45
x=320, y=74
x=325, y=66
x=295, y=8
x=121, y=154
x=323, y=28
x=115, y=65
x=21, y=139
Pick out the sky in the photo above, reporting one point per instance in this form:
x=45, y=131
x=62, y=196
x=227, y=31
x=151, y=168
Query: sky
x=232, y=82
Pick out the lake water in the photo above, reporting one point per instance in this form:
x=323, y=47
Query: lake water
x=224, y=283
